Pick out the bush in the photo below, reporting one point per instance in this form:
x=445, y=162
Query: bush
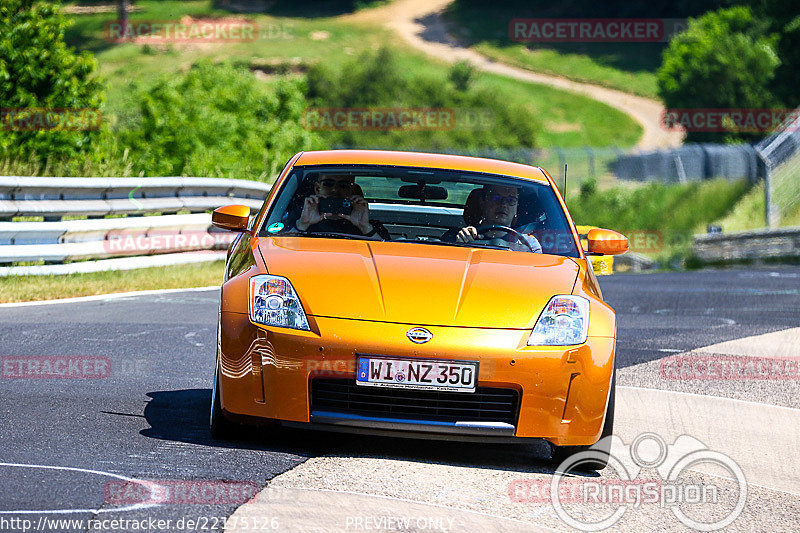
x=216, y=120
x=722, y=60
x=482, y=119
x=461, y=75
x=39, y=71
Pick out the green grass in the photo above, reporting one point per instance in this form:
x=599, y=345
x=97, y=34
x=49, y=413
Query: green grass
x=29, y=288
x=566, y=119
x=749, y=212
x=629, y=67
x=660, y=220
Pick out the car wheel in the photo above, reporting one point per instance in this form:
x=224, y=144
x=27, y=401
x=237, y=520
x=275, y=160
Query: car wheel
x=221, y=427
x=602, y=449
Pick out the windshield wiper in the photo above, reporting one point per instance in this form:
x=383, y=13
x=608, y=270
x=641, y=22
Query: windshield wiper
x=448, y=243
x=328, y=234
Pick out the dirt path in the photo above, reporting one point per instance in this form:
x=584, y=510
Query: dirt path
x=419, y=22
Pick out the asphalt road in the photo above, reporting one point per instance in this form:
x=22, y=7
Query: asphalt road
x=148, y=418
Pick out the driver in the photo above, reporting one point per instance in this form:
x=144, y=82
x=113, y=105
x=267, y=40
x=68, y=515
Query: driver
x=356, y=223
x=498, y=207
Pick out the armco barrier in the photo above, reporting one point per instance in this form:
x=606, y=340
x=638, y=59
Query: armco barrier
x=54, y=198
x=780, y=243
x=59, y=241
x=130, y=241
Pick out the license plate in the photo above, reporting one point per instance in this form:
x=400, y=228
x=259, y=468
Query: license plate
x=420, y=374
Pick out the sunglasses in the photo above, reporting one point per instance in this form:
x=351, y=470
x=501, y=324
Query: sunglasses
x=507, y=200
x=341, y=184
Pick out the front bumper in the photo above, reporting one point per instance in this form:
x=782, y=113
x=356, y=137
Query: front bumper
x=266, y=373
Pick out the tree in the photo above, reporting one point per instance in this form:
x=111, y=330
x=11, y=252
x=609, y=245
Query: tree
x=723, y=60
x=217, y=120
x=43, y=83
x=783, y=18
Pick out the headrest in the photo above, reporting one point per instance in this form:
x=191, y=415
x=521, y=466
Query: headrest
x=472, y=207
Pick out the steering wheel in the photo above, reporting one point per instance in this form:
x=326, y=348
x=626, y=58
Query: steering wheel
x=517, y=235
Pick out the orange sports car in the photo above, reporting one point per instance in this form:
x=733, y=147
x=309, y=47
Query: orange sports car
x=416, y=295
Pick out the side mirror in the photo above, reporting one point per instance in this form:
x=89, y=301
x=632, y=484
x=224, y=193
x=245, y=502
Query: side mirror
x=606, y=242
x=231, y=217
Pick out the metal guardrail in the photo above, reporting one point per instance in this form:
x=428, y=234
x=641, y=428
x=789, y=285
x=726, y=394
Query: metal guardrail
x=120, y=243
x=780, y=243
x=58, y=197
x=60, y=241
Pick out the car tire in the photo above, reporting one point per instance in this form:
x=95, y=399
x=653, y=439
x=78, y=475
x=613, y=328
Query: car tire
x=602, y=448
x=221, y=427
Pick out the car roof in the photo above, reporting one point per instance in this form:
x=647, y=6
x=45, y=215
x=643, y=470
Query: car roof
x=423, y=160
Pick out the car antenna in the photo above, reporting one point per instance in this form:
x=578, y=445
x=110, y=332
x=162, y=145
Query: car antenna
x=565, y=183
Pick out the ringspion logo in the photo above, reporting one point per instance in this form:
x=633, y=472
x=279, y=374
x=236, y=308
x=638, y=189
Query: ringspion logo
x=648, y=471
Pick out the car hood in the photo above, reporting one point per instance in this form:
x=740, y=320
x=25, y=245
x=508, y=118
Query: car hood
x=418, y=283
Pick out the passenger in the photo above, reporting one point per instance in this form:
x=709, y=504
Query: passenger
x=356, y=223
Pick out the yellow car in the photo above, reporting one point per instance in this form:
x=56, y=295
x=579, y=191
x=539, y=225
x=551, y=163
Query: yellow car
x=603, y=264
x=415, y=295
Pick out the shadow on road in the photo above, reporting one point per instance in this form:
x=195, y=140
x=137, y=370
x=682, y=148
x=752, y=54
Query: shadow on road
x=182, y=416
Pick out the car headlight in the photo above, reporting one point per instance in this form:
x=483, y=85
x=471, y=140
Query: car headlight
x=564, y=321
x=274, y=302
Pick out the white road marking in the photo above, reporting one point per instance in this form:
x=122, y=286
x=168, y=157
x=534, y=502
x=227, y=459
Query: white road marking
x=132, y=507
x=796, y=410
x=778, y=344
x=112, y=296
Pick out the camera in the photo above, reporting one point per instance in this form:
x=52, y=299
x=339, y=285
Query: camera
x=337, y=206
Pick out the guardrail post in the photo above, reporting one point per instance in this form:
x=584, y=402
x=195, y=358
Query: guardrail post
x=769, y=208
x=562, y=160
x=590, y=157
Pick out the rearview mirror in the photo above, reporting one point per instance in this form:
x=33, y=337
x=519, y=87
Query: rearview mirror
x=422, y=192
x=606, y=242
x=231, y=217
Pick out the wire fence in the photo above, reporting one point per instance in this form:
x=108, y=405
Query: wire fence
x=780, y=153
x=688, y=163
x=691, y=162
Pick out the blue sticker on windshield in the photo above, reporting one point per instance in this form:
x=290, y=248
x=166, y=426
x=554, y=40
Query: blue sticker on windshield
x=275, y=228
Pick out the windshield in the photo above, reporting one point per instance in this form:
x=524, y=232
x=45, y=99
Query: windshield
x=426, y=206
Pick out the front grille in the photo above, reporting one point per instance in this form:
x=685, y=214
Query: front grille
x=487, y=404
